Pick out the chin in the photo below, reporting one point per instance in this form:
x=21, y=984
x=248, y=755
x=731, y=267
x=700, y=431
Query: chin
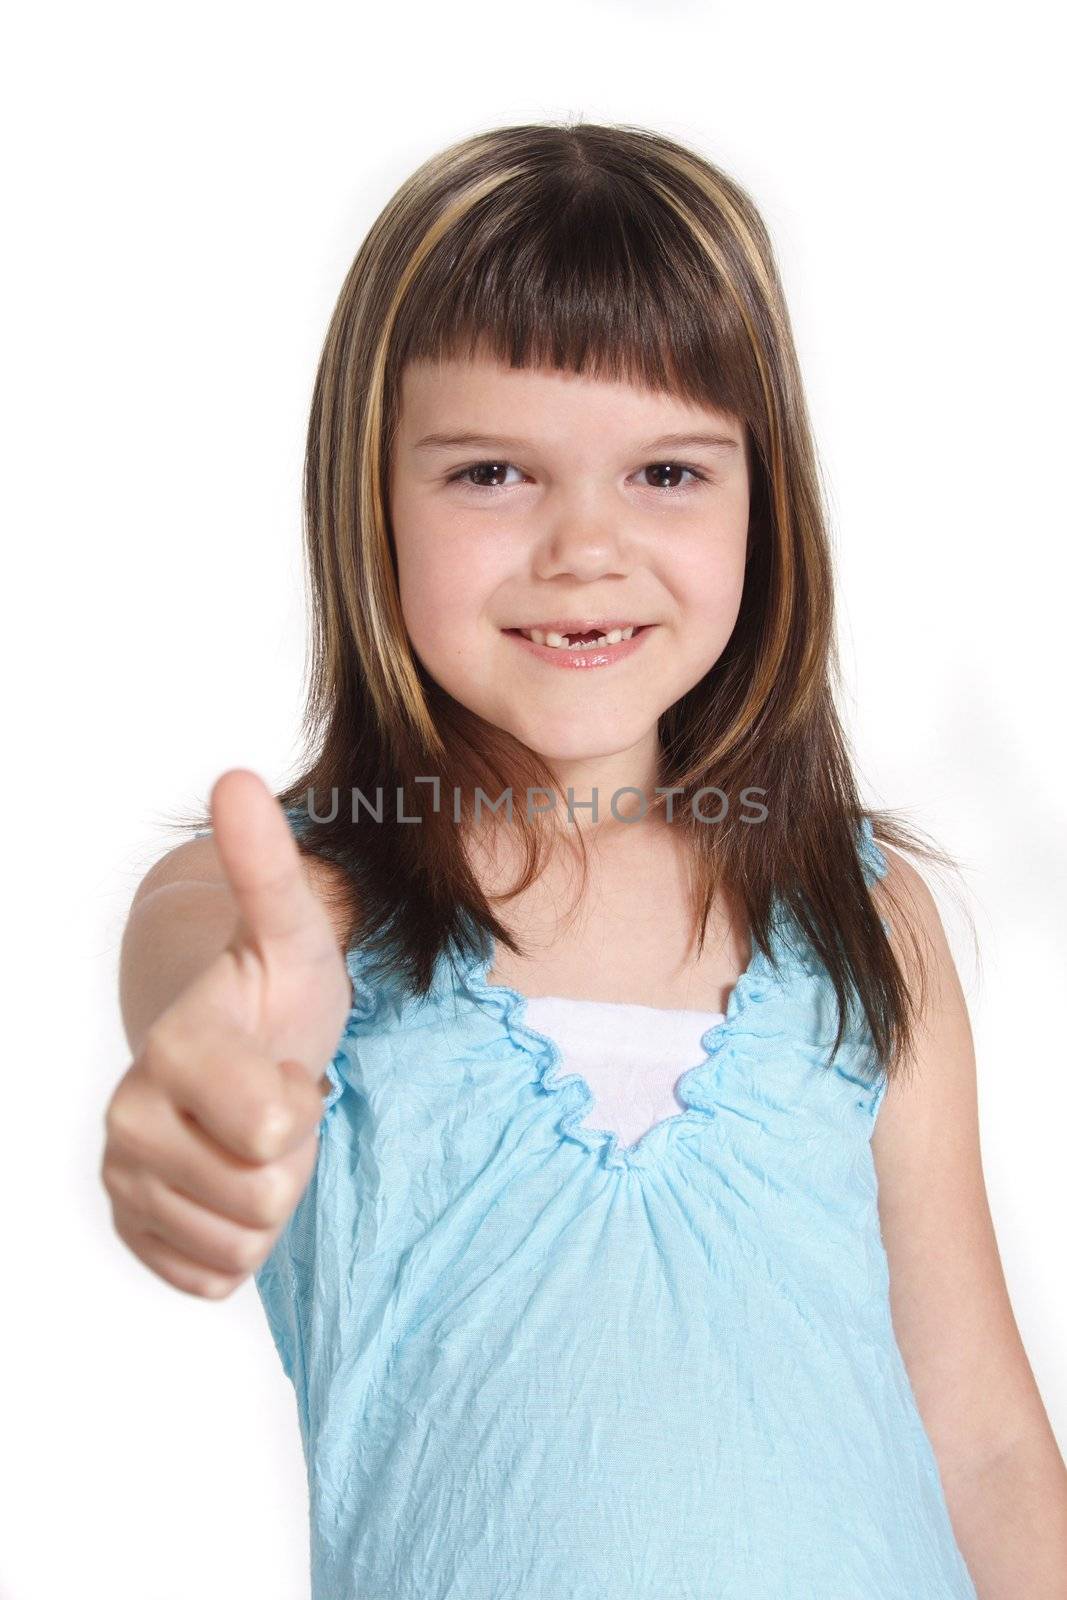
x=573, y=743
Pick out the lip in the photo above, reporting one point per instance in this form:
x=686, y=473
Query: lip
x=582, y=660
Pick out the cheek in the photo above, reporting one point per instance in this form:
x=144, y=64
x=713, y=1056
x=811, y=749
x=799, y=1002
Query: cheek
x=707, y=588
x=439, y=598
x=430, y=607
x=709, y=581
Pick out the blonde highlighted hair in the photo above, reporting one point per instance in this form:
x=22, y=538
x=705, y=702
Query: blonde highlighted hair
x=616, y=252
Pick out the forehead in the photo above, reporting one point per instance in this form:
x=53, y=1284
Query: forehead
x=482, y=395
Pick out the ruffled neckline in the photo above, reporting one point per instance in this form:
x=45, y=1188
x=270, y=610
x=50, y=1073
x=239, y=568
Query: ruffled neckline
x=727, y=1040
x=694, y=1088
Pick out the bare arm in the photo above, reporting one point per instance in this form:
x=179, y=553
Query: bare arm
x=1002, y=1472
x=182, y=916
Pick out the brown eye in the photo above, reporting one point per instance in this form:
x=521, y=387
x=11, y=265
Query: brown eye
x=672, y=467
x=491, y=474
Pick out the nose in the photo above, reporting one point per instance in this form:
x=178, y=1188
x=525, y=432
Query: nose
x=583, y=538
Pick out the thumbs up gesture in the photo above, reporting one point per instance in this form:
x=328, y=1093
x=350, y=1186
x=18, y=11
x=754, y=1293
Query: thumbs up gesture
x=212, y=1133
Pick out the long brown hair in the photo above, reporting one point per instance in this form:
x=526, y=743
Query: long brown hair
x=617, y=252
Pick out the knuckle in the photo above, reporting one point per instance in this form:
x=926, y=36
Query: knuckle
x=268, y=1127
x=158, y=1047
x=118, y=1181
x=268, y=1192
x=123, y=1121
x=243, y=1253
x=216, y=1288
x=208, y=1285
x=109, y=1171
x=184, y=1273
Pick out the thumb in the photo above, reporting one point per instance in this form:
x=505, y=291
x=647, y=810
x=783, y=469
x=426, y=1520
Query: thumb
x=296, y=1073
x=262, y=864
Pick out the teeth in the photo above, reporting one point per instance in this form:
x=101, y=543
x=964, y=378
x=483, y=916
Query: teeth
x=557, y=641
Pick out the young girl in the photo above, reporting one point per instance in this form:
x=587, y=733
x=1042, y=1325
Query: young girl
x=642, y=1248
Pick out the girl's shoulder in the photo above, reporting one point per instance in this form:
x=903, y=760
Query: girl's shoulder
x=902, y=895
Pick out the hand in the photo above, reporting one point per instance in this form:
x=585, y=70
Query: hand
x=212, y=1132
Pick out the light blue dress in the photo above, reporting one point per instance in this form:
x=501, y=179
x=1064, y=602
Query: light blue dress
x=532, y=1363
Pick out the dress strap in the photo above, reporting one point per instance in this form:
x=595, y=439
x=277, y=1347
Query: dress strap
x=875, y=865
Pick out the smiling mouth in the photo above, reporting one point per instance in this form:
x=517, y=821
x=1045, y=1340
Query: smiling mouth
x=580, y=638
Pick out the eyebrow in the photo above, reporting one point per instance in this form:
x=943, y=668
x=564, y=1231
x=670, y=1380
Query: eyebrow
x=674, y=441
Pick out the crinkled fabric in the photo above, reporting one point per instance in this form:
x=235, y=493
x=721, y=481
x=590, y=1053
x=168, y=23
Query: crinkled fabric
x=532, y=1363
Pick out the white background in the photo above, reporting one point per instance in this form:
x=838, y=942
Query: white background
x=185, y=189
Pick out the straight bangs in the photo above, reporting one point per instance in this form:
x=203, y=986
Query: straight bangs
x=584, y=269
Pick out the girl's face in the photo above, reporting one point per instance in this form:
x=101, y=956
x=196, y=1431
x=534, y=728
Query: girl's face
x=572, y=500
